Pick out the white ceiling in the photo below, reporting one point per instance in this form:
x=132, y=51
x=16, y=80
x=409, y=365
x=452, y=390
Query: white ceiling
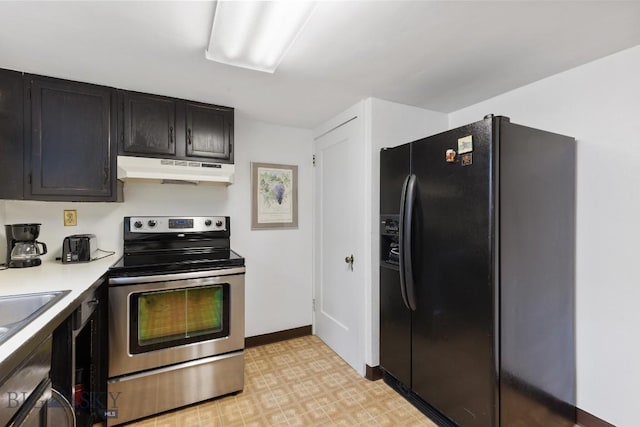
x=439, y=55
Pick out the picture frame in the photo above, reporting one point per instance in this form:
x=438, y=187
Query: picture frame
x=274, y=196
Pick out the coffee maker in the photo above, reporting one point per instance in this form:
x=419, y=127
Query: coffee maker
x=22, y=246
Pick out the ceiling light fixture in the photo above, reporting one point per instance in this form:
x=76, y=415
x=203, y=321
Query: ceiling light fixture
x=256, y=34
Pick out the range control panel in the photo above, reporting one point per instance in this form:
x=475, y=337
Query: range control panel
x=175, y=224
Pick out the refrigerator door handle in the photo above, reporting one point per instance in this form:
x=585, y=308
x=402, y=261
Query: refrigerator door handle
x=403, y=203
x=407, y=242
x=403, y=235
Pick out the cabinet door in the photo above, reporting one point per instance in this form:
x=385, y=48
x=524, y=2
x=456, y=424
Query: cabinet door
x=71, y=151
x=11, y=139
x=149, y=124
x=209, y=132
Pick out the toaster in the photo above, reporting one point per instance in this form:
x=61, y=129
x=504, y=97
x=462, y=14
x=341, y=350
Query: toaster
x=78, y=248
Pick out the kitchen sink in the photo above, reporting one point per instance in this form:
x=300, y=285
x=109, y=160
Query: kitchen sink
x=17, y=311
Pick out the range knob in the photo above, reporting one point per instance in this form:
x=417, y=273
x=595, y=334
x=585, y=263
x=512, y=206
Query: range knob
x=207, y=222
x=218, y=223
x=152, y=223
x=137, y=224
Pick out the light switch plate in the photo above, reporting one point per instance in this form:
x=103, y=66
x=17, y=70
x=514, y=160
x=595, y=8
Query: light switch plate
x=70, y=217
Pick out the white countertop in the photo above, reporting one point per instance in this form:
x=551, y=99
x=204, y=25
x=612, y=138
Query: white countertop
x=50, y=276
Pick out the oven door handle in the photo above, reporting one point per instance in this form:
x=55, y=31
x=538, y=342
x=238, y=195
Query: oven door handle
x=116, y=281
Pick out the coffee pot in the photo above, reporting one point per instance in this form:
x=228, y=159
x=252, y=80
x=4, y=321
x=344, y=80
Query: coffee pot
x=23, y=250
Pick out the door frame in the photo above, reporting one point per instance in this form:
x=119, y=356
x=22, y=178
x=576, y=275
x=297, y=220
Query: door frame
x=356, y=113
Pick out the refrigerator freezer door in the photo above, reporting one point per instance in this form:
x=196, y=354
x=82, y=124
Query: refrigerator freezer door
x=395, y=317
x=453, y=326
x=395, y=328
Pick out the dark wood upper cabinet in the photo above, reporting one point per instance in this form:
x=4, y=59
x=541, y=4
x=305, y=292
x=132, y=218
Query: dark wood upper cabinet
x=157, y=126
x=59, y=139
x=149, y=124
x=11, y=136
x=72, y=141
x=209, y=131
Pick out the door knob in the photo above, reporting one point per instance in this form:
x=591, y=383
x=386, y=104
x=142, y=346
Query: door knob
x=349, y=260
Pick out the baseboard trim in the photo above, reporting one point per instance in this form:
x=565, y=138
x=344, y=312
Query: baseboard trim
x=585, y=419
x=277, y=336
x=373, y=373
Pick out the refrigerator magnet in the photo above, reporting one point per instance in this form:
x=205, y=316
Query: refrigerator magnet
x=466, y=159
x=465, y=144
x=450, y=156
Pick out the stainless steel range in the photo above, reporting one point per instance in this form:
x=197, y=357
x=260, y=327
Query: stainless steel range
x=176, y=316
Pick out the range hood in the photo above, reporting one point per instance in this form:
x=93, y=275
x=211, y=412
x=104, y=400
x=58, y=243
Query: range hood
x=173, y=171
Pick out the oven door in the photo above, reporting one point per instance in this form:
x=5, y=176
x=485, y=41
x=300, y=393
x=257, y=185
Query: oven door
x=161, y=320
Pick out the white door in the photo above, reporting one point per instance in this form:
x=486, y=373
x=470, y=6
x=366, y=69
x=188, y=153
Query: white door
x=339, y=235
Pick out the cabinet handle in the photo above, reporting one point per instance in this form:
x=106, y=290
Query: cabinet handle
x=105, y=175
x=189, y=136
x=170, y=134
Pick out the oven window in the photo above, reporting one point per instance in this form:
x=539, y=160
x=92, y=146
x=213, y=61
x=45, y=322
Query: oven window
x=169, y=318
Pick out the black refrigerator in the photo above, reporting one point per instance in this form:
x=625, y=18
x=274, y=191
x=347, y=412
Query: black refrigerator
x=477, y=244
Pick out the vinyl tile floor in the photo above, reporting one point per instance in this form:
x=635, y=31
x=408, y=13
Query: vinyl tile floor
x=299, y=382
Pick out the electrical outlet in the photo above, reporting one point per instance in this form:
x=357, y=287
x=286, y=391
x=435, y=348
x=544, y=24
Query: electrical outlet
x=70, y=217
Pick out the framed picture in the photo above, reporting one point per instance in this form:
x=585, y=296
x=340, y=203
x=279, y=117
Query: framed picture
x=274, y=196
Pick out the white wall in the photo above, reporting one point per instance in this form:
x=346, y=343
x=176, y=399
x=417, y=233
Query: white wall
x=279, y=263
x=599, y=105
x=278, y=279
x=388, y=125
